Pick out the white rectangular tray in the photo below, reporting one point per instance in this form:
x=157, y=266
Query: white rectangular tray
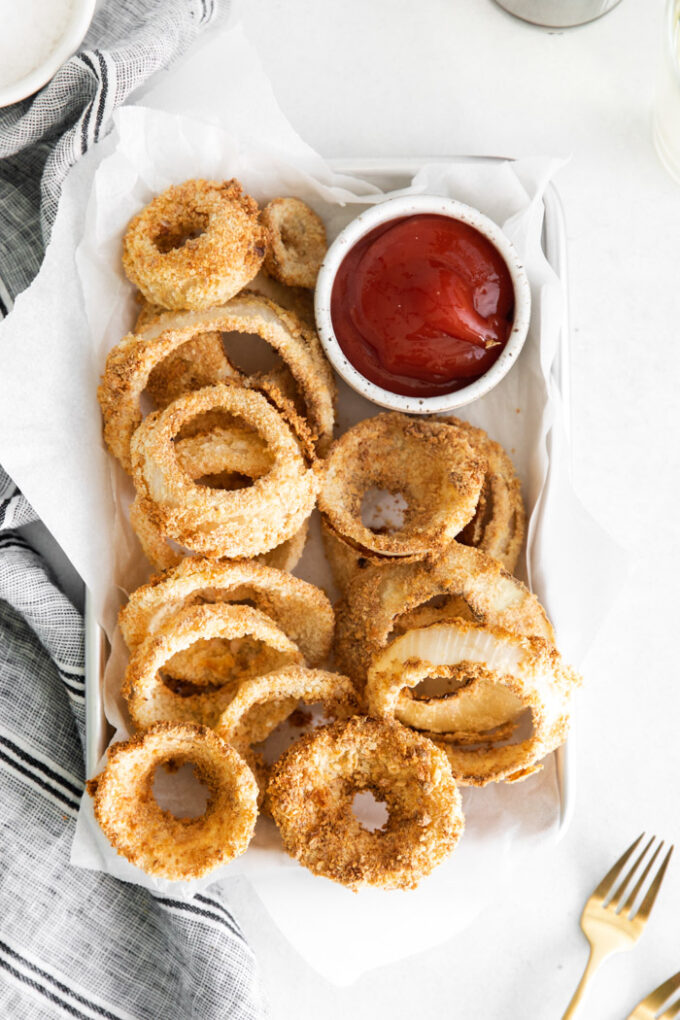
x=389, y=174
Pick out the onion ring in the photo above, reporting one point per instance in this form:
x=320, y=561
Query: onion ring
x=499, y=524
x=197, y=363
x=297, y=242
x=154, y=839
x=241, y=728
x=430, y=462
x=298, y=300
x=259, y=704
x=150, y=700
x=348, y=561
x=366, y=618
x=163, y=554
x=231, y=450
x=310, y=796
x=222, y=523
x=528, y=670
x=130, y=363
x=195, y=245
x=302, y=611
x=497, y=527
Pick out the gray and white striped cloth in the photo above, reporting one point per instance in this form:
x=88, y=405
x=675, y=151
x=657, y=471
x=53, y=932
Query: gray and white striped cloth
x=72, y=942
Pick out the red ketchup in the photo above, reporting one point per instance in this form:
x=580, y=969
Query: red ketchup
x=422, y=305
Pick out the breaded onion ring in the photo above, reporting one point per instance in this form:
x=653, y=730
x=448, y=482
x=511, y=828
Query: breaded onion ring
x=298, y=300
x=499, y=523
x=515, y=672
x=367, y=617
x=195, y=245
x=241, y=727
x=301, y=610
x=154, y=839
x=429, y=462
x=130, y=363
x=150, y=700
x=224, y=451
x=296, y=242
x=163, y=554
x=217, y=522
x=497, y=527
x=348, y=561
x=197, y=363
x=311, y=791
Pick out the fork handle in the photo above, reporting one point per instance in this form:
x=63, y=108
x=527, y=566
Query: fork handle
x=594, y=960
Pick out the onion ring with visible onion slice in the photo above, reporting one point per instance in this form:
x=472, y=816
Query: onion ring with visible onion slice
x=256, y=709
x=310, y=796
x=150, y=700
x=154, y=839
x=528, y=671
x=163, y=554
x=216, y=522
x=241, y=728
x=197, y=363
x=367, y=617
x=130, y=362
x=300, y=609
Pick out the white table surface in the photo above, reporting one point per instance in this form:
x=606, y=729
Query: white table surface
x=391, y=77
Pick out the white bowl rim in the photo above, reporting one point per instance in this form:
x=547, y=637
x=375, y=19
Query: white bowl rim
x=392, y=209
x=76, y=29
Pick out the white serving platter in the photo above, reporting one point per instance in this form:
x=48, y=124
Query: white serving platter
x=389, y=174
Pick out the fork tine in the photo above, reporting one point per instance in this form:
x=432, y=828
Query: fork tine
x=642, y=879
x=652, y=892
x=656, y=999
x=610, y=878
x=670, y=1012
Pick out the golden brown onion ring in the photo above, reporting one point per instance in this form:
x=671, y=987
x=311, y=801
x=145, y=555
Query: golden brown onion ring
x=232, y=449
x=197, y=363
x=195, y=245
x=497, y=527
x=311, y=791
x=296, y=242
x=366, y=619
x=516, y=672
x=259, y=704
x=130, y=362
x=300, y=609
x=164, y=554
x=241, y=727
x=499, y=524
x=430, y=463
x=348, y=561
x=154, y=839
x=298, y=300
x=217, y=522
x=150, y=700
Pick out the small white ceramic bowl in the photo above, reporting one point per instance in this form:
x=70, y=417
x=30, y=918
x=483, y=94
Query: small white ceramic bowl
x=81, y=14
x=393, y=209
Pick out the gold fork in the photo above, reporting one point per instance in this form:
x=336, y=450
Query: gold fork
x=609, y=923
x=649, y=1008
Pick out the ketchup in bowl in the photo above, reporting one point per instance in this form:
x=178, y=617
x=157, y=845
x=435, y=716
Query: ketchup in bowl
x=422, y=305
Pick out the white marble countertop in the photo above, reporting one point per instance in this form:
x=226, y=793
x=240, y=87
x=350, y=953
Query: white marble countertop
x=392, y=77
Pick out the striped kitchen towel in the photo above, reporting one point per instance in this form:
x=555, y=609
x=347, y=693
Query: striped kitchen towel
x=77, y=943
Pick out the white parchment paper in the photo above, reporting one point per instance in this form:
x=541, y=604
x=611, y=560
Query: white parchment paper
x=54, y=346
